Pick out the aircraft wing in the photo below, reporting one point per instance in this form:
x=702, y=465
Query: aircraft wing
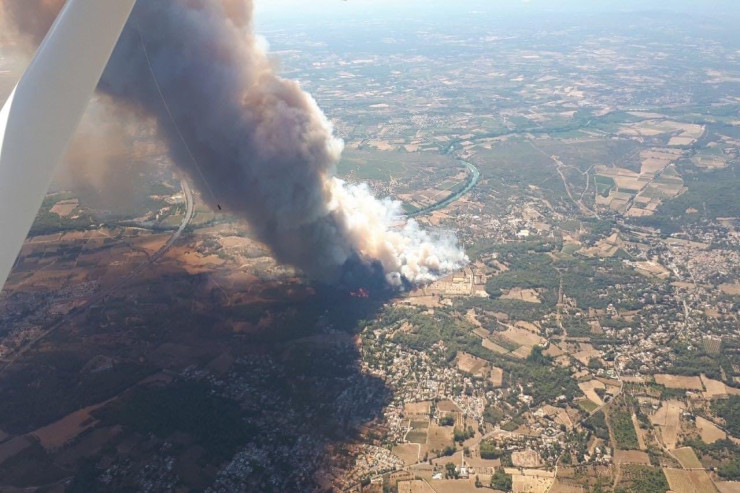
x=41, y=115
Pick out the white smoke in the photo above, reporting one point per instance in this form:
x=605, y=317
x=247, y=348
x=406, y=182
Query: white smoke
x=254, y=143
x=379, y=231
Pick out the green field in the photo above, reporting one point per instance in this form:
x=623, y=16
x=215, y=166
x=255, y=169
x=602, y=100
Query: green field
x=397, y=165
x=620, y=417
x=604, y=184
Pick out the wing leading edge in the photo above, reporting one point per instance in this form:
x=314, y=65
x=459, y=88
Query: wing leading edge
x=41, y=115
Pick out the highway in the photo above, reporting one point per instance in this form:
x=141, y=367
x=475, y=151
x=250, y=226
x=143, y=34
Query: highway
x=104, y=293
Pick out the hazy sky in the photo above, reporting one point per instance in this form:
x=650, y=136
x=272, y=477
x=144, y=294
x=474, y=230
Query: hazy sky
x=269, y=11
x=277, y=6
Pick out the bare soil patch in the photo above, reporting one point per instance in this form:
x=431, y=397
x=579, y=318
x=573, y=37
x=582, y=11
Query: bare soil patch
x=415, y=486
x=526, y=458
x=407, y=452
x=531, y=484
x=492, y=346
x=64, y=208
x=687, y=458
x=522, y=336
x=235, y=242
x=537, y=473
x=679, y=382
x=710, y=162
x=585, y=356
x=710, y=432
x=562, y=486
x=589, y=389
x=57, y=434
x=650, y=268
x=682, y=481
x=553, y=350
x=668, y=418
x=608, y=247
x=471, y=364
x=470, y=317
x=152, y=244
x=631, y=457
x=419, y=408
x=439, y=437
x=533, y=328
x=425, y=301
x=731, y=289
x=448, y=406
x=455, y=486
x=193, y=262
x=681, y=141
x=497, y=376
x=640, y=433
x=728, y=486
x=527, y=295
x=522, y=352
x=654, y=160
x=88, y=445
x=715, y=388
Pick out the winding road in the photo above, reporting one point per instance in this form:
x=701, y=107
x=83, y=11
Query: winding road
x=190, y=208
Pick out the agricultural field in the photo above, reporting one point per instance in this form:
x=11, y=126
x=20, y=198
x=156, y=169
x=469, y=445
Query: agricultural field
x=631, y=457
x=407, y=452
x=592, y=335
x=679, y=382
x=415, y=486
x=439, y=437
x=622, y=426
x=713, y=345
x=687, y=458
x=589, y=389
x=668, y=421
x=530, y=484
x=417, y=436
x=497, y=377
x=728, y=486
x=417, y=408
x=714, y=388
x=57, y=434
x=471, y=364
x=682, y=481
x=642, y=479
x=526, y=458
x=710, y=432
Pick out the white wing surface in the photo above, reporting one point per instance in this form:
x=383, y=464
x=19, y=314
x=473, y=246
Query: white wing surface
x=41, y=115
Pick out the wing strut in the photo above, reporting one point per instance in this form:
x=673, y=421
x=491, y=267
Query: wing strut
x=43, y=111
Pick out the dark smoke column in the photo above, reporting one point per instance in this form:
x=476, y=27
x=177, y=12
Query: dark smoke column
x=263, y=149
x=255, y=143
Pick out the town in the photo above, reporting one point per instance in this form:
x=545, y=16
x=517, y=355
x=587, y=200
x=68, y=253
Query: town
x=591, y=343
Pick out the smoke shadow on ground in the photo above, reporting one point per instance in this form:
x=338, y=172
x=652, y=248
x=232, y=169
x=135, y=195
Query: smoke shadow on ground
x=194, y=348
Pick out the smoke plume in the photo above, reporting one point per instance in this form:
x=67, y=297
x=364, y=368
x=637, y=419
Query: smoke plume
x=32, y=18
x=109, y=160
x=254, y=143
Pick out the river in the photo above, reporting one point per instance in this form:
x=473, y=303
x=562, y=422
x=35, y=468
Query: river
x=473, y=177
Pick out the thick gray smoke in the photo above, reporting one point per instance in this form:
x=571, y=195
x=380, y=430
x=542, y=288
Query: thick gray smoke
x=255, y=144
x=33, y=18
